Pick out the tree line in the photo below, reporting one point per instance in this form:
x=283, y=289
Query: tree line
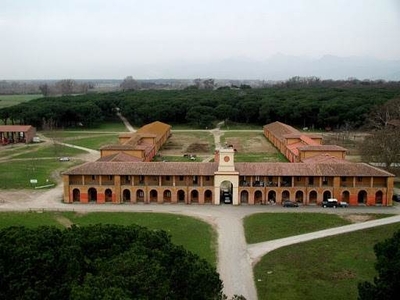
x=101, y=262
x=316, y=107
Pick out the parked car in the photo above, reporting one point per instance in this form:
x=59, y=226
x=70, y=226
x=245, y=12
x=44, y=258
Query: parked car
x=288, y=203
x=396, y=198
x=64, y=158
x=343, y=204
x=330, y=203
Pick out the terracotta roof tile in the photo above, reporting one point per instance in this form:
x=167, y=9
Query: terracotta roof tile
x=120, y=157
x=15, y=128
x=145, y=168
x=321, y=148
x=325, y=158
x=302, y=169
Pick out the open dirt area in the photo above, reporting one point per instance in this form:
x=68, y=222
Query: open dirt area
x=186, y=142
x=251, y=143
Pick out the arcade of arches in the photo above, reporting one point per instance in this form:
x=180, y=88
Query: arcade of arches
x=206, y=196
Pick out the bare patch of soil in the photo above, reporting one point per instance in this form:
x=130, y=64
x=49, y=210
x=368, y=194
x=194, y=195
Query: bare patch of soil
x=64, y=221
x=181, y=143
x=252, y=144
x=358, y=218
x=198, y=148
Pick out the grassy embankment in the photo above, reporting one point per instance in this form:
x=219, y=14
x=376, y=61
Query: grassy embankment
x=10, y=100
x=201, y=240
x=328, y=268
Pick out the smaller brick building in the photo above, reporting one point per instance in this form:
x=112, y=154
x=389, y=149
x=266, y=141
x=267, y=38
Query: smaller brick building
x=10, y=134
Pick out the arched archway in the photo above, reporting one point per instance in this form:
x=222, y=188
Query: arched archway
x=378, y=197
x=272, y=197
x=208, y=197
x=153, y=196
x=139, y=196
x=327, y=195
x=346, y=196
x=285, y=195
x=108, y=195
x=194, y=196
x=92, y=195
x=244, y=197
x=258, y=197
x=126, y=195
x=362, y=197
x=299, y=196
x=76, y=195
x=312, y=198
x=167, y=196
x=226, y=188
x=181, y=196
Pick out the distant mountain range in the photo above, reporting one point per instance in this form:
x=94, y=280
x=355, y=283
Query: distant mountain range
x=279, y=67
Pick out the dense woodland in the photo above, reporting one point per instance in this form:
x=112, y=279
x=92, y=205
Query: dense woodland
x=101, y=262
x=319, y=107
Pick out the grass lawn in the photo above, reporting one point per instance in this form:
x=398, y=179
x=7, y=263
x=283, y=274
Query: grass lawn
x=111, y=126
x=264, y=227
x=95, y=142
x=177, y=158
x=54, y=151
x=193, y=234
x=270, y=226
x=328, y=268
x=28, y=219
x=19, y=173
x=10, y=100
x=240, y=126
x=64, y=135
x=259, y=157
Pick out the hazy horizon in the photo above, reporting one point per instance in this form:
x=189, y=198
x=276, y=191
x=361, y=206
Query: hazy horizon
x=266, y=40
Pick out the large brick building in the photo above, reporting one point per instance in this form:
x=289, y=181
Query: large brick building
x=313, y=177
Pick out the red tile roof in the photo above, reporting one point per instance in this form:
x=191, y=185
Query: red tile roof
x=245, y=169
x=15, y=128
x=325, y=158
x=120, y=157
x=322, y=148
x=302, y=169
x=145, y=168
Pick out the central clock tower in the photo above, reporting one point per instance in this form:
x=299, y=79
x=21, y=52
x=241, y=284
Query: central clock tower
x=226, y=173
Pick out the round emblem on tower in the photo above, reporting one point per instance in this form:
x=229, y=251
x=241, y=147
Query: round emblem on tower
x=227, y=158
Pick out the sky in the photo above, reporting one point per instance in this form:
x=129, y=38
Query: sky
x=80, y=39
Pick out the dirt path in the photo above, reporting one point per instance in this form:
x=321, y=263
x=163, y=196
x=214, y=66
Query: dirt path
x=126, y=123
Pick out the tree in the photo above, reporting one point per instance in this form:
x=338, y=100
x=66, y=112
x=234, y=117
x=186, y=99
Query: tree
x=101, y=262
x=386, y=284
x=129, y=84
x=66, y=86
x=44, y=88
x=382, y=146
x=381, y=115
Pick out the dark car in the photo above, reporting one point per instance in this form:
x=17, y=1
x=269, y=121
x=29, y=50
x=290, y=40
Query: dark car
x=396, y=198
x=290, y=204
x=330, y=203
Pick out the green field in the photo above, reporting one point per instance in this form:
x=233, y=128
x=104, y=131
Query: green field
x=264, y=227
x=328, y=268
x=108, y=126
x=52, y=151
x=93, y=142
x=259, y=157
x=20, y=172
x=10, y=100
x=191, y=233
